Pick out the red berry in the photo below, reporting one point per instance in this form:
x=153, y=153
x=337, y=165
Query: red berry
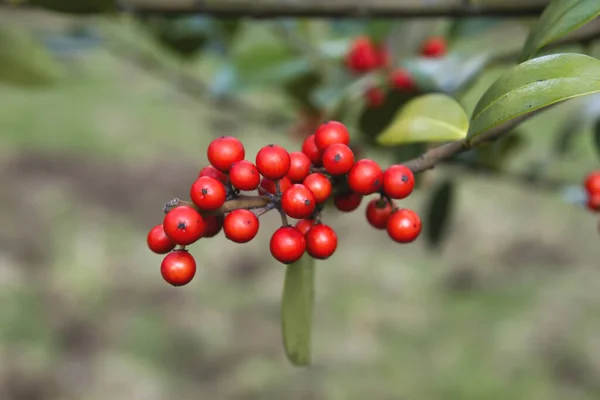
x=304, y=225
x=398, y=181
x=338, y=159
x=212, y=225
x=362, y=55
x=244, y=175
x=240, y=226
x=319, y=185
x=403, y=225
x=400, y=79
x=158, y=241
x=298, y=201
x=375, y=97
x=347, y=202
x=211, y=171
x=178, y=268
x=434, y=47
x=224, y=151
x=268, y=186
x=332, y=132
x=365, y=177
x=299, y=166
x=593, y=203
x=273, y=161
x=321, y=242
x=287, y=244
x=378, y=212
x=311, y=150
x=208, y=193
x=592, y=183
x=385, y=58
x=184, y=225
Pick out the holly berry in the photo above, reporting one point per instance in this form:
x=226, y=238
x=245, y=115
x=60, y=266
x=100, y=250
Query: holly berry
x=298, y=201
x=310, y=149
x=212, y=225
x=362, y=56
x=403, y=225
x=208, y=193
x=224, y=151
x=398, y=181
x=375, y=97
x=400, y=79
x=244, y=175
x=592, y=183
x=158, y=241
x=304, y=225
x=385, y=57
x=593, y=202
x=287, y=244
x=273, y=161
x=211, y=171
x=378, y=212
x=319, y=185
x=178, y=268
x=240, y=226
x=434, y=47
x=332, y=132
x=269, y=186
x=338, y=159
x=347, y=202
x=299, y=166
x=321, y=241
x=365, y=177
x=183, y=225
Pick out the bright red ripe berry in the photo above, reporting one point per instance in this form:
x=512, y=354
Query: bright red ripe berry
x=184, y=225
x=240, y=226
x=211, y=171
x=378, y=212
x=212, y=225
x=365, y=177
x=244, y=175
x=311, y=150
x=208, y=193
x=593, y=203
x=298, y=201
x=304, y=225
x=400, y=79
x=338, y=159
x=158, y=241
x=287, y=244
x=403, y=225
x=321, y=242
x=319, y=185
x=178, y=268
x=299, y=166
x=347, y=202
x=224, y=151
x=592, y=183
x=434, y=47
x=362, y=56
x=375, y=97
x=268, y=186
x=398, y=182
x=273, y=161
x=331, y=132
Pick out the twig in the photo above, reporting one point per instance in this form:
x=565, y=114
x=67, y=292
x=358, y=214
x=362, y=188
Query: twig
x=246, y=202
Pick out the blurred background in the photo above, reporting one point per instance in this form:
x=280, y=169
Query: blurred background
x=104, y=119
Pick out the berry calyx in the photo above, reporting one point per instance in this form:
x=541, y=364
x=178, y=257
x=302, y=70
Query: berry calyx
x=331, y=132
x=378, y=212
x=183, y=225
x=224, y=151
x=299, y=166
x=338, y=159
x=208, y=193
x=592, y=183
x=398, y=181
x=593, y=202
x=404, y=225
x=321, y=242
x=310, y=149
x=240, y=226
x=319, y=185
x=375, y=97
x=400, y=79
x=212, y=225
x=434, y=47
x=211, y=171
x=269, y=186
x=365, y=177
x=158, y=241
x=298, y=201
x=273, y=161
x=304, y=225
x=178, y=268
x=244, y=175
x=287, y=244
x=347, y=202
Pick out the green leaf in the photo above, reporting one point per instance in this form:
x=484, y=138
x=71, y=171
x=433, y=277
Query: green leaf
x=439, y=211
x=430, y=118
x=297, y=310
x=559, y=18
x=597, y=137
x=534, y=85
x=373, y=120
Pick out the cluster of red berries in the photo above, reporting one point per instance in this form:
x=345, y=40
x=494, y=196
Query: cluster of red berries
x=592, y=188
x=297, y=184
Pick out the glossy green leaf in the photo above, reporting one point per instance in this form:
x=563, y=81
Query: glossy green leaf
x=373, y=120
x=534, y=85
x=297, y=310
x=439, y=212
x=597, y=137
x=430, y=118
x=559, y=18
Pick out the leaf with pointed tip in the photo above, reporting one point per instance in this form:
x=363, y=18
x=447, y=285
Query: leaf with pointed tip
x=439, y=212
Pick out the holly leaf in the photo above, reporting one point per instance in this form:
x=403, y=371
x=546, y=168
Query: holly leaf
x=439, y=211
x=297, y=310
x=559, y=18
x=374, y=120
x=429, y=118
x=534, y=85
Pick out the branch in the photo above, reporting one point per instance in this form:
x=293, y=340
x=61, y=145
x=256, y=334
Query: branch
x=246, y=202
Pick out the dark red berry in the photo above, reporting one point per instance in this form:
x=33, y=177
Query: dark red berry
x=268, y=186
x=304, y=225
x=404, y=225
x=244, y=175
x=273, y=161
x=240, y=226
x=400, y=79
x=299, y=166
x=365, y=177
x=183, y=225
x=208, y=193
x=224, y=151
x=347, y=202
x=593, y=203
x=434, y=47
x=319, y=185
x=287, y=244
x=378, y=212
x=178, y=268
x=321, y=241
x=212, y=225
x=158, y=241
x=332, y=132
x=211, y=171
x=312, y=151
x=298, y=201
x=398, y=181
x=338, y=159
x=375, y=97
x=592, y=183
